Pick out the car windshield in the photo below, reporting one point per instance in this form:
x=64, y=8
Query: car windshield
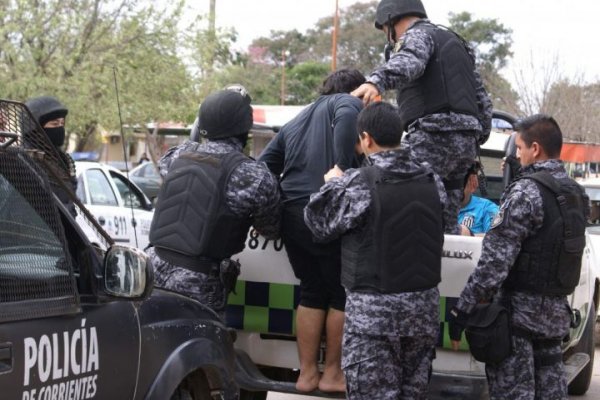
x=594, y=193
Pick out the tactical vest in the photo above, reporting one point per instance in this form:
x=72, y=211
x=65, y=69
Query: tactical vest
x=400, y=248
x=192, y=224
x=448, y=83
x=549, y=262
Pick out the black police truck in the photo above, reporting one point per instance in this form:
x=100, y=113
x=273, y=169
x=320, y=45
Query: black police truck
x=80, y=322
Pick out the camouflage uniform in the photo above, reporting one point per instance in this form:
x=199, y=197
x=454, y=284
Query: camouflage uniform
x=389, y=339
x=251, y=190
x=447, y=141
x=547, y=317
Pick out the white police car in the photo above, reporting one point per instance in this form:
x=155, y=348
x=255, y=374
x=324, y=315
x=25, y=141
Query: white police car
x=119, y=206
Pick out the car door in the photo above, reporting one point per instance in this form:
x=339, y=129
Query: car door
x=138, y=206
x=100, y=196
x=56, y=339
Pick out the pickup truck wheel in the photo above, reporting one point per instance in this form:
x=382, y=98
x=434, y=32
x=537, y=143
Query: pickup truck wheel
x=194, y=387
x=247, y=395
x=581, y=383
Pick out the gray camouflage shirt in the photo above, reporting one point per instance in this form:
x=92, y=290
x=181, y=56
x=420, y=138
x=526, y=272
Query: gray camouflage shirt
x=343, y=204
x=408, y=64
x=521, y=215
x=251, y=190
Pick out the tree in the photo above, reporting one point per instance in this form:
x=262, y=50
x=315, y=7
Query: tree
x=573, y=102
x=360, y=45
x=72, y=48
x=491, y=42
x=304, y=82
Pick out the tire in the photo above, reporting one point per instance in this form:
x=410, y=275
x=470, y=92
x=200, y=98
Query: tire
x=247, y=395
x=194, y=387
x=586, y=345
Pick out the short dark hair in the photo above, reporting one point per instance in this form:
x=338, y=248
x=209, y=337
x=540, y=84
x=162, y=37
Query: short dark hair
x=342, y=81
x=473, y=170
x=381, y=121
x=544, y=130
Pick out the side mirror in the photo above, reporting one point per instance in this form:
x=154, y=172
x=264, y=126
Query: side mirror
x=127, y=273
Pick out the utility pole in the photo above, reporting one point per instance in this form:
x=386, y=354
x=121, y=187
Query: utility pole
x=282, y=77
x=334, y=38
x=212, y=35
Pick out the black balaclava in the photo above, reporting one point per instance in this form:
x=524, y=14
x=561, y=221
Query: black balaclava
x=56, y=135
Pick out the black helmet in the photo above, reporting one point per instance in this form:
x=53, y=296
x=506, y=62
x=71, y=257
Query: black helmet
x=390, y=10
x=225, y=113
x=46, y=108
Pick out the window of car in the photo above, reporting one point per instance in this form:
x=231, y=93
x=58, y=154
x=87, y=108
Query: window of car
x=131, y=197
x=35, y=265
x=101, y=192
x=147, y=170
x=150, y=171
x=593, y=193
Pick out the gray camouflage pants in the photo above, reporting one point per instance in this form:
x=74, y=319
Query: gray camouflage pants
x=206, y=289
x=386, y=367
x=450, y=155
x=517, y=377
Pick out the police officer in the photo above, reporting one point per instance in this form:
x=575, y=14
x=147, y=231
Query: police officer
x=51, y=115
x=531, y=256
x=441, y=99
x=211, y=195
x=389, y=216
x=322, y=136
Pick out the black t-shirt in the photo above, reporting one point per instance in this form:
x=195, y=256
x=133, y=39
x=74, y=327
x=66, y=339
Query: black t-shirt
x=321, y=136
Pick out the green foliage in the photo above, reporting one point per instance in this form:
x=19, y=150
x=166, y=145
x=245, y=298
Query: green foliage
x=72, y=48
x=304, y=82
x=492, y=42
x=359, y=44
x=261, y=80
x=490, y=39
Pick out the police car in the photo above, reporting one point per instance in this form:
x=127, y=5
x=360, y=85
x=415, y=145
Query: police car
x=120, y=206
x=262, y=309
x=80, y=323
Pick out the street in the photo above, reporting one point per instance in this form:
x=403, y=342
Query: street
x=593, y=392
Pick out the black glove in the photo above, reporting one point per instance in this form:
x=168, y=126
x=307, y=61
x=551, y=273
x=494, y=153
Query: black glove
x=229, y=272
x=457, y=323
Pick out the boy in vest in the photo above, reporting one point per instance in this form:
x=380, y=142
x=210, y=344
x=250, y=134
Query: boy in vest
x=389, y=216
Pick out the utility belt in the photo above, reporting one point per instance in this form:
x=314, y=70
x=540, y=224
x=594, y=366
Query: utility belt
x=227, y=269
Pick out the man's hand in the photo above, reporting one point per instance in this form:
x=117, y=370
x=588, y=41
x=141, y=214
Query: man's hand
x=334, y=172
x=465, y=231
x=368, y=92
x=456, y=326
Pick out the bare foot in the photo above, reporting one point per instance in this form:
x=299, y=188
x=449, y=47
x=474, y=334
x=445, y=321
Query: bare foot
x=333, y=382
x=307, y=381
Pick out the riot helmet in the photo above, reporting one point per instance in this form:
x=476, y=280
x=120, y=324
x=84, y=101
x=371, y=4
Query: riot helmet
x=225, y=113
x=46, y=108
x=389, y=11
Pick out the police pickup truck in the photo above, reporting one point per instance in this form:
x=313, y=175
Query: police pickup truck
x=78, y=322
x=262, y=309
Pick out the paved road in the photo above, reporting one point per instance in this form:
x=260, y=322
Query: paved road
x=593, y=392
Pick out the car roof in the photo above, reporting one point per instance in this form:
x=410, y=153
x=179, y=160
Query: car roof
x=81, y=166
x=590, y=182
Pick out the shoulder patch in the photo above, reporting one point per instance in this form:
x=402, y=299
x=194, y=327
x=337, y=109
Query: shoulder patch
x=498, y=219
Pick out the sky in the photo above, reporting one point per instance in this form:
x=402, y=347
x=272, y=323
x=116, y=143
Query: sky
x=545, y=32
